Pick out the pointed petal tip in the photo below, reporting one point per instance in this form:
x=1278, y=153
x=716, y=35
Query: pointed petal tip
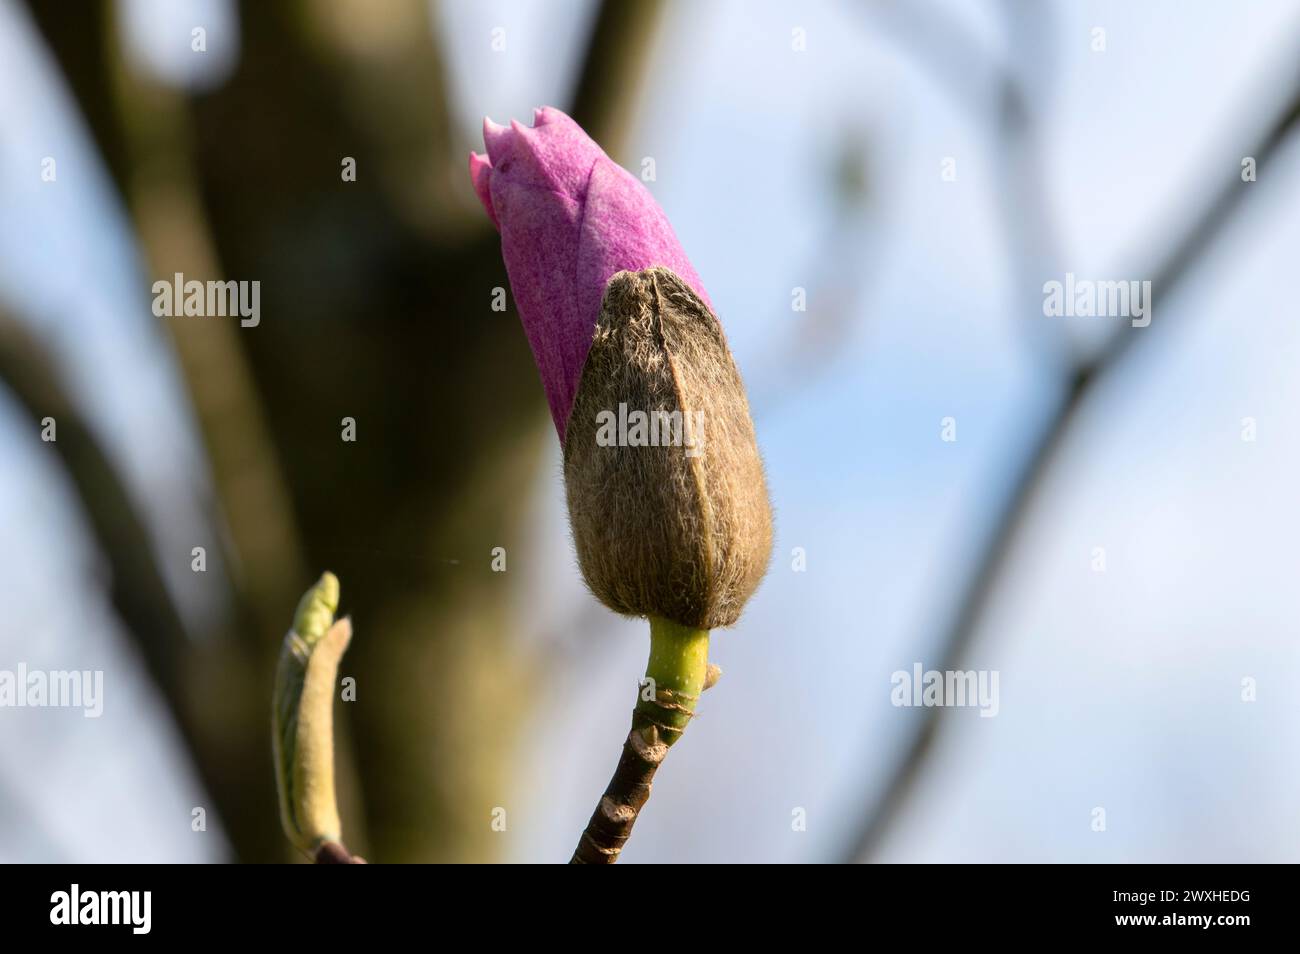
x=480, y=172
x=543, y=115
x=494, y=137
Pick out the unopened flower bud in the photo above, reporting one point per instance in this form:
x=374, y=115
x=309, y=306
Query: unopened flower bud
x=625, y=338
x=302, y=718
x=665, y=486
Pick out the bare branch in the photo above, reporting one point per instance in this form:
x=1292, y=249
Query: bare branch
x=1025, y=489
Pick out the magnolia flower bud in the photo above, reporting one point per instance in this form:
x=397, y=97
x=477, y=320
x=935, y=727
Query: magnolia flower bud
x=671, y=518
x=625, y=337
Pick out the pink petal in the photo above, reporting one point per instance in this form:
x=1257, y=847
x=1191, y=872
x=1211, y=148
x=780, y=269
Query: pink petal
x=569, y=219
x=479, y=172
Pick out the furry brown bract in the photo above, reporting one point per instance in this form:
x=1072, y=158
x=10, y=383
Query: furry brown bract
x=671, y=518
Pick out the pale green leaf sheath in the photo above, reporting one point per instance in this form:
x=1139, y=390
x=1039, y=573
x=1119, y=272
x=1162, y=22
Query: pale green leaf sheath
x=303, y=719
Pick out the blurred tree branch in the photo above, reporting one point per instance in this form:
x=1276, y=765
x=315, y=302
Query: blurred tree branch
x=617, y=56
x=136, y=587
x=1169, y=270
x=1001, y=96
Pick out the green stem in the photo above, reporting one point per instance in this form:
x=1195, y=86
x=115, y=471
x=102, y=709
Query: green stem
x=675, y=677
